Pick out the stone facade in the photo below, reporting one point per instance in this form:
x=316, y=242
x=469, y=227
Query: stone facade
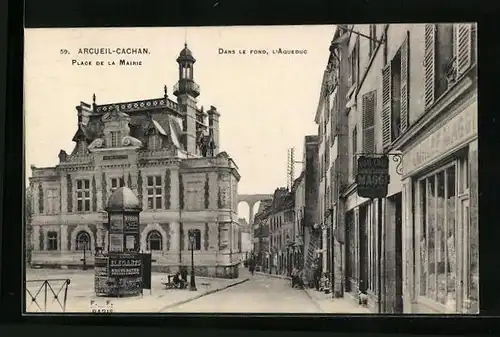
x=408, y=91
x=167, y=154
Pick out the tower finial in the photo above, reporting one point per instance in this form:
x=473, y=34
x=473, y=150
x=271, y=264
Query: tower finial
x=165, y=89
x=93, y=98
x=185, y=37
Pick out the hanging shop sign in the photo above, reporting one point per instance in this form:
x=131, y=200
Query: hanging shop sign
x=372, y=177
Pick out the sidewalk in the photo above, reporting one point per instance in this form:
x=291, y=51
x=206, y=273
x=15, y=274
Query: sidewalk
x=81, y=293
x=331, y=305
x=284, y=277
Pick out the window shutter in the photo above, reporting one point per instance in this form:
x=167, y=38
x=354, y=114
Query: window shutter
x=354, y=151
x=368, y=122
x=429, y=68
x=386, y=105
x=334, y=117
x=404, y=83
x=463, y=44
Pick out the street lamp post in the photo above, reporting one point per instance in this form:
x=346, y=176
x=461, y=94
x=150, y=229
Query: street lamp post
x=192, y=284
x=84, y=256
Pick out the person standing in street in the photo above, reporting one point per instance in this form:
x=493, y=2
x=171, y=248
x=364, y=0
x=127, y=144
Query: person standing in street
x=251, y=265
x=317, y=276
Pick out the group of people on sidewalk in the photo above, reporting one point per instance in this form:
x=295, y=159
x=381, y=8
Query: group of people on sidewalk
x=297, y=278
x=321, y=281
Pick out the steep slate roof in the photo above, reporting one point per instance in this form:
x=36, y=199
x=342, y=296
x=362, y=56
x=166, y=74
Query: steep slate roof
x=166, y=125
x=175, y=127
x=158, y=128
x=82, y=131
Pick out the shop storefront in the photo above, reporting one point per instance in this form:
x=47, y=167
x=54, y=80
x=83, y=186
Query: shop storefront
x=440, y=213
x=360, y=241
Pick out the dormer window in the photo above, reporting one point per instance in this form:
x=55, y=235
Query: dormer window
x=154, y=141
x=115, y=183
x=82, y=146
x=115, y=138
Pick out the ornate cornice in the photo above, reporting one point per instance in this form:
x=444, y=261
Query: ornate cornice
x=77, y=168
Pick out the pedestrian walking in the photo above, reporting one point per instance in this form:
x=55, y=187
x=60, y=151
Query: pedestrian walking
x=294, y=277
x=317, y=276
x=251, y=266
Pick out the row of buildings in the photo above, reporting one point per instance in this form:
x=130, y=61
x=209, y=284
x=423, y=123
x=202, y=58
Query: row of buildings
x=408, y=91
x=167, y=152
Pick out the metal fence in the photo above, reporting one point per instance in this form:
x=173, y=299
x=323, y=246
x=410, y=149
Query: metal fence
x=46, y=290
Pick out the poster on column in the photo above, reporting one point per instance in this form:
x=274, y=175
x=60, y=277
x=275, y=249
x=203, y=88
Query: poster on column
x=201, y=122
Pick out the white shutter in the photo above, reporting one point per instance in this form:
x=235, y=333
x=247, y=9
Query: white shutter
x=405, y=84
x=463, y=44
x=386, y=105
x=429, y=64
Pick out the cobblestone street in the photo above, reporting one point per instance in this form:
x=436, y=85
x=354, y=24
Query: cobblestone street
x=259, y=293
x=265, y=294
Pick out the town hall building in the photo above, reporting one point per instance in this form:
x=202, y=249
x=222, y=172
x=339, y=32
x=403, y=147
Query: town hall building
x=168, y=153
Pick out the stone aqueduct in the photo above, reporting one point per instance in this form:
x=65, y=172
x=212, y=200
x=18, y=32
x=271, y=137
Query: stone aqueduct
x=251, y=200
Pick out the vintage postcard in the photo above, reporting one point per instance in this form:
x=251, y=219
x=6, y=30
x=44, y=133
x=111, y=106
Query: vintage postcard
x=254, y=169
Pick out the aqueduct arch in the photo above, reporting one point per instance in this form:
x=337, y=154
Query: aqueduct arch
x=251, y=200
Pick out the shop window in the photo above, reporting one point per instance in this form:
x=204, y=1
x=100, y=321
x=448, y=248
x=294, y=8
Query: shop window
x=52, y=241
x=438, y=257
x=363, y=248
x=154, y=241
x=372, y=285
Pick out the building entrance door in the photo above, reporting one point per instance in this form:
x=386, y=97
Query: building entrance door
x=398, y=305
x=463, y=303
x=363, y=249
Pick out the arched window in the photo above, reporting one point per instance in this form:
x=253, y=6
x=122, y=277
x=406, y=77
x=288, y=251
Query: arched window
x=154, y=241
x=52, y=241
x=82, y=241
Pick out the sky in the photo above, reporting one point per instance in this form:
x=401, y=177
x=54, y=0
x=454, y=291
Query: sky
x=267, y=102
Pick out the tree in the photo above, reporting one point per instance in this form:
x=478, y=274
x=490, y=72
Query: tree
x=28, y=212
